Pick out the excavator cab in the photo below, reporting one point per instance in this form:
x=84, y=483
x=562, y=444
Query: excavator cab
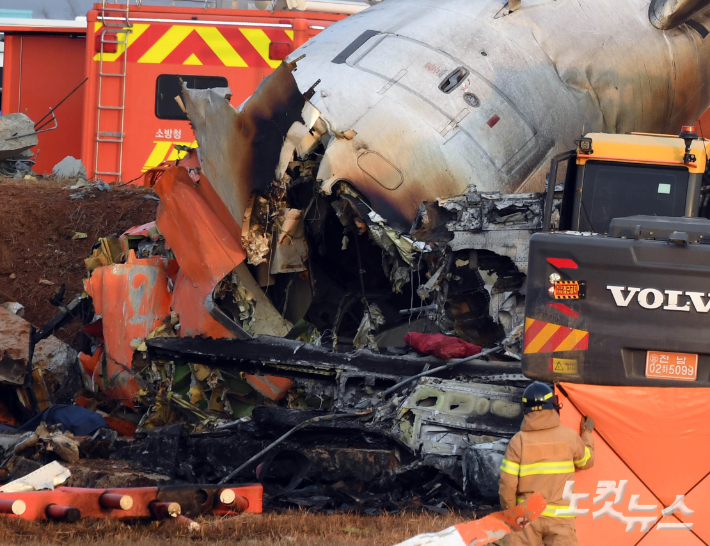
x=617, y=309
x=625, y=254
x=616, y=176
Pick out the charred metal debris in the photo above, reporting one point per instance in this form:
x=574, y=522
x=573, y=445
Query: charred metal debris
x=257, y=328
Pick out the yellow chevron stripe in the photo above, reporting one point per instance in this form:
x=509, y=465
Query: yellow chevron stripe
x=221, y=47
x=528, y=323
x=135, y=33
x=193, y=60
x=166, y=44
x=570, y=341
x=161, y=149
x=545, y=334
x=175, y=154
x=260, y=41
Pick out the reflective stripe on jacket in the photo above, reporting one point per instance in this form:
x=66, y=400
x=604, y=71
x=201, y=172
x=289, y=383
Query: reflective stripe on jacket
x=542, y=457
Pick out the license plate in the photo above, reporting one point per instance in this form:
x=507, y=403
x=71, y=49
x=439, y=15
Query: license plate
x=677, y=366
x=566, y=290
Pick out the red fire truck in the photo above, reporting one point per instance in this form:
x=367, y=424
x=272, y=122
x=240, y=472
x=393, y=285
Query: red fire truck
x=124, y=119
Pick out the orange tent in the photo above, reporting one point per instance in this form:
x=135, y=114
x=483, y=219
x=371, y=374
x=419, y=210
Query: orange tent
x=658, y=440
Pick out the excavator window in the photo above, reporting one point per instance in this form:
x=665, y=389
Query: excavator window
x=616, y=190
x=704, y=205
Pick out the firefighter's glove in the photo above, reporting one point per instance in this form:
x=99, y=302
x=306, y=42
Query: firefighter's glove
x=587, y=424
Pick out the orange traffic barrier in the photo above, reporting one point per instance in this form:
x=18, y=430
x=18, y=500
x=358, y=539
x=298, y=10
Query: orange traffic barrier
x=62, y=513
x=165, y=510
x=113, y=501
x=72, y=503
x=187, y=522
x=236, y=503
x=11, y=506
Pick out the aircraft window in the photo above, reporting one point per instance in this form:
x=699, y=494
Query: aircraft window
x=168, y=87
x=453, y=80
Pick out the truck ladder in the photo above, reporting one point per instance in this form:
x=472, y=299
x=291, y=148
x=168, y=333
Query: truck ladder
x=115, y=30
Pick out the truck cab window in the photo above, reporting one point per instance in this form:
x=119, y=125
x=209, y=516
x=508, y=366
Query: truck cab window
x=616, y=190
x=168, y=87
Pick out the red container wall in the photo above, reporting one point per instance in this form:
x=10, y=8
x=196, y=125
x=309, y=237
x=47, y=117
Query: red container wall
x=40, y=70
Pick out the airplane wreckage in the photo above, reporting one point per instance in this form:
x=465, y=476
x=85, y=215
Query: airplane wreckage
x=380, y=186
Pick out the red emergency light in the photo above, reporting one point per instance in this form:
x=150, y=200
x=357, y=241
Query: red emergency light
x=688, y=134
x=562, y=263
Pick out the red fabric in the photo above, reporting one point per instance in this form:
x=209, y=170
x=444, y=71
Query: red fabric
x=441, y=346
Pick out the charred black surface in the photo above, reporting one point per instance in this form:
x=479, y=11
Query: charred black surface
x=267, y=116
x=430, y=224
x=333, y=467
x=265, y=353
x=194, y=500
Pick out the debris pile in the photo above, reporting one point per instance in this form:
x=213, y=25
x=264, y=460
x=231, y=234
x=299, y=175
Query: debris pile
x=54, y=378
x=267, y=326
x=17, y=137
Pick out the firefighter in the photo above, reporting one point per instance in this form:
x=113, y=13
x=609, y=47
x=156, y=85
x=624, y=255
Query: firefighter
x=542, y=457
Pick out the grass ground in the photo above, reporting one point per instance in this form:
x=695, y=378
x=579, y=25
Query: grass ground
x=291, y=528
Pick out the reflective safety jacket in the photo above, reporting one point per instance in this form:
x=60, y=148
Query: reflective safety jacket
x=541, y=458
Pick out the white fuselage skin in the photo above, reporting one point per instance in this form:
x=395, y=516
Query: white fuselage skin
x=535, y=80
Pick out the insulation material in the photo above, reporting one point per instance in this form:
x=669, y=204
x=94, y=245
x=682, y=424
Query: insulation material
x=110, y=251
x=254, y=239
x=47, y=477
x=291, y=249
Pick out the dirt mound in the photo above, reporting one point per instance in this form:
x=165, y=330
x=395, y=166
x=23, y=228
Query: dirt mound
x=38, y=225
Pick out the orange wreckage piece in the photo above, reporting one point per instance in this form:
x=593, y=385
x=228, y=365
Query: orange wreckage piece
x=133, y=300
x=486, y=530
x=138, y=296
